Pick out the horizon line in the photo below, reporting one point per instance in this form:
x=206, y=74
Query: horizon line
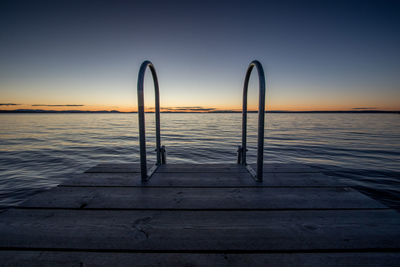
x=192, y=111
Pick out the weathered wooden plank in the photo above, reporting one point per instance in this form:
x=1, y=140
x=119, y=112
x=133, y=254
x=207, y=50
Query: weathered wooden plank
x=286, y=168
x=52, y=258
x=202, y=168
x=135, y=168
x=103, y=179
x=202, y=198
x=202, y=180
x=201, y=230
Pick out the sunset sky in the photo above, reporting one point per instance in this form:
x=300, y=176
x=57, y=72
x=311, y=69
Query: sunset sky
x=318, y=55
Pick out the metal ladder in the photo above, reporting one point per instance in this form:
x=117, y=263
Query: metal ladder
x=160, y=150
x=258, y=174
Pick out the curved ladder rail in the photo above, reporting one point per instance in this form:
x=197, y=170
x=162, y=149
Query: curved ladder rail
x=160, y=150
x=258, y=175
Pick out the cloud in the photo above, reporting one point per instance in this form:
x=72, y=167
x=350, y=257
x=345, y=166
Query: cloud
x=195, y=107
x=188, y=109
x=40, y=105
x=9, y=104
x=364, y=108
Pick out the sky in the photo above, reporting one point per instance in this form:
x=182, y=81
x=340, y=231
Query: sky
x=85, y=55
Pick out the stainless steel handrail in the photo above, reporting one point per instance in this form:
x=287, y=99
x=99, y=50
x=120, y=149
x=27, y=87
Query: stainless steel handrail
x=160, y=150
x=258, y=175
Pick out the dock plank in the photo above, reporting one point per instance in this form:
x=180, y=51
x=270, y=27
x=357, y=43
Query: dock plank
x=62, y=258
x=170, y=231
x=202, y=180
x=207, y=214
x=199, y=168
x=202, y=198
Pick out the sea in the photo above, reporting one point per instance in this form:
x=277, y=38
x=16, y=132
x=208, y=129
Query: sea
x=40, y=151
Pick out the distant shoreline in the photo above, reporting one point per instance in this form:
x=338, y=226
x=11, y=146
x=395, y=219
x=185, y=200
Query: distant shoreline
x=207, y=112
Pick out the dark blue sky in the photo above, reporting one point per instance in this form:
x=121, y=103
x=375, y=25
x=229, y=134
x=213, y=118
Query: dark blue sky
x=317, y=54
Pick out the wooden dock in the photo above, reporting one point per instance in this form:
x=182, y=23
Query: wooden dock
x=200, y=215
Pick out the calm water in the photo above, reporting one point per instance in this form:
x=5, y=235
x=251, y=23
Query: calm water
x=38, y=151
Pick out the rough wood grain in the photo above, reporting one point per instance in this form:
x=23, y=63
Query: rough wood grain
x=201, y=198
x=297, y=216
x=78, y=259
x=202, y=180
x=201, y=230
x=135, y=168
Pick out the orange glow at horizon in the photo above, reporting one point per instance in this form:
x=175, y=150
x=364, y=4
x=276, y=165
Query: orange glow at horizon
x=202, y=109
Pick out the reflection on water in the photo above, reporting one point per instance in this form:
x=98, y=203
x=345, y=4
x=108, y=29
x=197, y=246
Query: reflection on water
x=38, y=151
